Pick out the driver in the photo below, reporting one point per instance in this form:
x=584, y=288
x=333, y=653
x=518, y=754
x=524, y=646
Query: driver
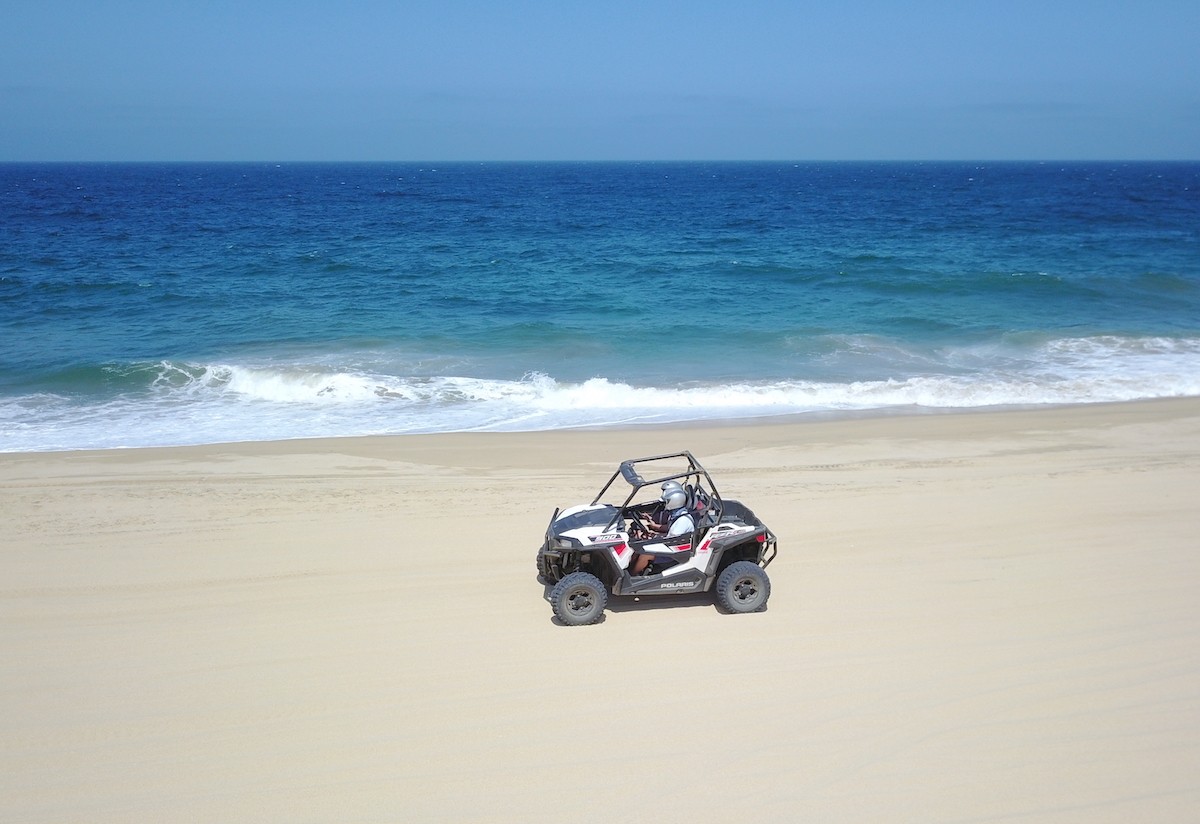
x=657, y=518
x=678, y=520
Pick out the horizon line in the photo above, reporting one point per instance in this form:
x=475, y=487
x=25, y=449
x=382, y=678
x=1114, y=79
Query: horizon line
x=608, y=161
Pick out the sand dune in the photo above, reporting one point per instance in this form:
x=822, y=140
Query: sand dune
x=975, y=617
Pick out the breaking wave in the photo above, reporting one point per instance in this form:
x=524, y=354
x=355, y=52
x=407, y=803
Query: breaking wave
x=177, y=403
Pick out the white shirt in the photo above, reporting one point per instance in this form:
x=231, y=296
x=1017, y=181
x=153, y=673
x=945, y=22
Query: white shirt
x=681, y=525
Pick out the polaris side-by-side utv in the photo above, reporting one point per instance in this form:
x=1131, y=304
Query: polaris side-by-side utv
x=590, y=550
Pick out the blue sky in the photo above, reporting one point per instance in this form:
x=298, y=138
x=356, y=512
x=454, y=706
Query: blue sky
x=542, y=80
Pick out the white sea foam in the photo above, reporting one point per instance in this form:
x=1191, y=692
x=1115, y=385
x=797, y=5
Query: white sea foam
x=197, y=403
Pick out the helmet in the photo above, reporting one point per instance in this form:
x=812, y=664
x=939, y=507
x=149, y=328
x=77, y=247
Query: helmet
x=673, y=495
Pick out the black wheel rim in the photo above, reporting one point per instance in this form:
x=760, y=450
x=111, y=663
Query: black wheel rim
x=745, y=590
x=580, y=601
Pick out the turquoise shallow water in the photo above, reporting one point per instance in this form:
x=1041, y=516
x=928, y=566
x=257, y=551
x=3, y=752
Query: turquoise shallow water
x=183, y=303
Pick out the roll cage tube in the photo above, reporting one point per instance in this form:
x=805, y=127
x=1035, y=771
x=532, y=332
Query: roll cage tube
x=628, y=470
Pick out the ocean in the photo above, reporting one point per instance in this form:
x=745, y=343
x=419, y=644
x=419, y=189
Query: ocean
x=170, y=304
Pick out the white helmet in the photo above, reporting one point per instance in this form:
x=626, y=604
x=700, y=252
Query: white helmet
x=673, y=495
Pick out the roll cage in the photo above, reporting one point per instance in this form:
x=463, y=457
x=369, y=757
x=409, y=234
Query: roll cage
x=704, y=500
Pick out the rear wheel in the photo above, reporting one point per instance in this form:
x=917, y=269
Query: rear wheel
x=579, y=599
x=743, y=587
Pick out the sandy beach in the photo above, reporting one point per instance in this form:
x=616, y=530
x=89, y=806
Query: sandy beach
x=975, y=617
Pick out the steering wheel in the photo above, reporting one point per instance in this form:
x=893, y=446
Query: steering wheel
x=637, y=529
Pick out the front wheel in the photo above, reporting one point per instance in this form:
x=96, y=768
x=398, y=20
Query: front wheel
x=579, y=599
x=743, y=587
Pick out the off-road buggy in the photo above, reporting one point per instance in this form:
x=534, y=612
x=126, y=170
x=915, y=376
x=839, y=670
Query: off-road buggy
x=589, y=549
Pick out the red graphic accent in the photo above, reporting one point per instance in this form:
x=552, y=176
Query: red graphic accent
x=621, y=548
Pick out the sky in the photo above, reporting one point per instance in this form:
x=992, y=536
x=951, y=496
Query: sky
x=360, y=80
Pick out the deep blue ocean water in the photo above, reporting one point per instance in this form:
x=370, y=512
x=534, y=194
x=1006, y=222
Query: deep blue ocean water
x=154, y=304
